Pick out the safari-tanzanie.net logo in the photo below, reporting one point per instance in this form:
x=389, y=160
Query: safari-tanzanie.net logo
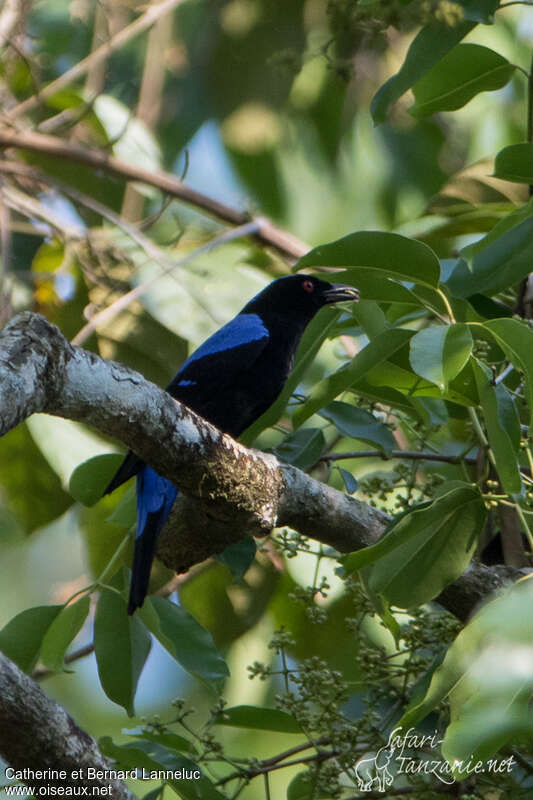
x=410, y=753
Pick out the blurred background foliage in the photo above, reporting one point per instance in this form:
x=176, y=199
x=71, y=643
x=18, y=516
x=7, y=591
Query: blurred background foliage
x=264, y=106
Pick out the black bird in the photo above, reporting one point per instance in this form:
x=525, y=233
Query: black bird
x=230, y=380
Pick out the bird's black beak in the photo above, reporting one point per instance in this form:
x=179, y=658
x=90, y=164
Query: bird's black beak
x=340, y=292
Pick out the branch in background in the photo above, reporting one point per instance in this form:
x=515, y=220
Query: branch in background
x=420, y=455
x=232, y=491
x=36, y=732
x=11, y=17
x=268, y=233
x=141, y=24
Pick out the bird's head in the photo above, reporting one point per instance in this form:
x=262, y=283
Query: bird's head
x=300, y=295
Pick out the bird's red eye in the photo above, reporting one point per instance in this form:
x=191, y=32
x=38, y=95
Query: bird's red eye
x=308, y=286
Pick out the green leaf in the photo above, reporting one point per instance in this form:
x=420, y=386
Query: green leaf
x=515, y=163
x=186, y=640
x=500, y=259
x=465, y=71
x=121, y=646
x=238, y=557
x=377, y=351
x=125, y=512
x=488, y=676
x=64, y=443
x=152, y=757
x=503, y=427
x=425, y=550
x=358, y=424
x=132, y=140
x=303, y=786
x=21, y=638
x=389, y=254
x=170, y=740
x=439, y=354
x=375, y=287
x=428, y=47
x=303, y=448
x=516, y=340
x=89, y=479
x=22, y=465
x=479, y=10
x=62, y=632
x=349, y=481
x=258, y=718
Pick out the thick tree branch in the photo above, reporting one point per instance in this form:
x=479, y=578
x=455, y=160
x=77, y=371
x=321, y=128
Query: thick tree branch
x=38, y=733
x=231, y=490
x=267, y=234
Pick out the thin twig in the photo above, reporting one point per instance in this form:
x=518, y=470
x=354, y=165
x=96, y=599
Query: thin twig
x=104, y=316
x=141, y=24
x=421, y=455
x=267, y=233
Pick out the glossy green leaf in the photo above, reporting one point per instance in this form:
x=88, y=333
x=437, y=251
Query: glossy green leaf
x=186, y=640
x=125, y=512
x=515, y=163
x=349, y=481
x=22, y=465
x=427, y=48
x=502, y=258
x=132, y=140
x=487, y=675
x=22, y=637
x=503, y=427
x=358, y=424
x=121, y=646
x=89, y=479
x=151, y=757
x=425, y=550
x=303, y=787
x=516, y=340
x=479, y=10
x=238, y=557
x=465, y=71
x=377, y=351
x=438, y=354
x=258, y=718
x=62, y=632
x=64, y=443
x=388, y=254
x=163, y=737
x=313, y=338
x=303, y=448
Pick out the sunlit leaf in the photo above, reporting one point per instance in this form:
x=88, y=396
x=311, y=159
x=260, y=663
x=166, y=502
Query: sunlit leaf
x=185, y=639
x=121, y=646
x=428, y=47
x=21, y=638
x=388, y=254
x=258, y=718
x=463, y=72
x=377, y=351
x=515, y=163
x=438, y=354
x=426, y=550
x=503, y=427
x=359, y=424
x=62, y=632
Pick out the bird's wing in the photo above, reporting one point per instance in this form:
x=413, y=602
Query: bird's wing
x=212, y=367
x=232, y=350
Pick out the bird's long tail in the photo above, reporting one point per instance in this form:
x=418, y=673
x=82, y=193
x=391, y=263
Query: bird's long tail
x=155, y=497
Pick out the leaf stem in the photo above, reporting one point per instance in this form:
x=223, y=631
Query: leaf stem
x=447, y=305
x=525, y=524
